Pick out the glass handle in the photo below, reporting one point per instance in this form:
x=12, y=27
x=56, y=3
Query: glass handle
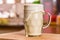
x=45, y=26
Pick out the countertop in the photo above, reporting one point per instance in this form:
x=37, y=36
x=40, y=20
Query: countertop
x=20, y=35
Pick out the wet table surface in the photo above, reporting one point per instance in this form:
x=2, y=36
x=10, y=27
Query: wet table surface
x=20, y=35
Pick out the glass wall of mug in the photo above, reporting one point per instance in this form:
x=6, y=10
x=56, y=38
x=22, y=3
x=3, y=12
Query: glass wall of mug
x=33, y=19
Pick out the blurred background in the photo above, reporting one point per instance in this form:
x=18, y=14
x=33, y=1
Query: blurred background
x=12, y=15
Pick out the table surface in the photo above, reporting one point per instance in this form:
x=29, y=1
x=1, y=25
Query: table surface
x=20, y=35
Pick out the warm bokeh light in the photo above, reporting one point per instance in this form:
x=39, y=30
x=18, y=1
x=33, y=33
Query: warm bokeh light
x=10, y=1
x=1, y=1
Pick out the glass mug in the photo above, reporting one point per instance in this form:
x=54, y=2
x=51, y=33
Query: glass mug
x=33, y=19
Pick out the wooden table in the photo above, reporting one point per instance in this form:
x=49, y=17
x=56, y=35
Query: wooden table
x=20, y=35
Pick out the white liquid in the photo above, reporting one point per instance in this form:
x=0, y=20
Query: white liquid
x=33, y=20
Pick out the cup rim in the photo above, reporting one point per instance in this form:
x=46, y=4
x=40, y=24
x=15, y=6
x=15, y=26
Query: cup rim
x=33, y=4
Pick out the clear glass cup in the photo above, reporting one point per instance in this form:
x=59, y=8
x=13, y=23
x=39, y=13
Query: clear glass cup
x=33, y=19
